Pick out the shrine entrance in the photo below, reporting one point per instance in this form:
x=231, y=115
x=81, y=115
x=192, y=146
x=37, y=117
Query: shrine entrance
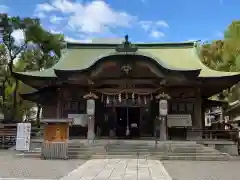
x=128, y=122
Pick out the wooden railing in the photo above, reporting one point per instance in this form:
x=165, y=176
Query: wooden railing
x=8, y=133
x=213, y=134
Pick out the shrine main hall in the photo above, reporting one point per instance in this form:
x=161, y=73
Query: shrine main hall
x=125, y=82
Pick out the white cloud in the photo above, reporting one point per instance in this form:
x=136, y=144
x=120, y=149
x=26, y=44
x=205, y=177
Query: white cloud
x=146, y=25
x=152, y=27
x=156, y=34
x=94, y=17
x=18, y=35
x=44, y=7
x=162, y=23
x=3, y=9
x=40, y=15
x=74, y=40
x=55, y=31
x=55, y=19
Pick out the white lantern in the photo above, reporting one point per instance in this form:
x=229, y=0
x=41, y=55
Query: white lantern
x=163, y=107
x=90, y=106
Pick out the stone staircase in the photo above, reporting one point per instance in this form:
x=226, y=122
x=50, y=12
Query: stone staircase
x=163, y=151
x=117, y=149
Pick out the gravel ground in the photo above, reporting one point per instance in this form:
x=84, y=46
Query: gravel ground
x=203, y=170
x=16, y=167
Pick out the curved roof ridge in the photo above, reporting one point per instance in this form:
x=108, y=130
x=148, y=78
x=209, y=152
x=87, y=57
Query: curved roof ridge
x=71, y=45
x=179, y=58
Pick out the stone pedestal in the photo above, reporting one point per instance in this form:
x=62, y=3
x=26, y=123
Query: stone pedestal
x=91, y=132
x=163, y=130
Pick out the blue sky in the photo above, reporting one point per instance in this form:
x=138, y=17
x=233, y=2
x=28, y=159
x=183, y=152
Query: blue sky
x=142, y=20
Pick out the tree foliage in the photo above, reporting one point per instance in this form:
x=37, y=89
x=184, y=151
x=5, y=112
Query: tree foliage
x=224, y=55
x=37, y=51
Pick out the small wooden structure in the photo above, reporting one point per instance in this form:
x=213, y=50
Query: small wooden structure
x=56, y=134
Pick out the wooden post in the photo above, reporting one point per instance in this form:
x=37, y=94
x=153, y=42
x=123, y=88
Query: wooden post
x=197, y=122
x=59, y=104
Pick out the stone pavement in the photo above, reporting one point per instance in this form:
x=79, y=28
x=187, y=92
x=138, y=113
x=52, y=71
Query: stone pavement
x=203, y=170
x=12, y=166
x=22, y=179
x=119, y=169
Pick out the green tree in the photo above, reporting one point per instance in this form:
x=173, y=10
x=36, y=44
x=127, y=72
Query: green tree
x=44, y=53
x=9, y=25
x=39, y=50
x=224, y=55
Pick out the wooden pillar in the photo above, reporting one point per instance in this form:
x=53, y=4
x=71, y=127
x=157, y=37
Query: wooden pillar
x=59, y=104
x=197, y=121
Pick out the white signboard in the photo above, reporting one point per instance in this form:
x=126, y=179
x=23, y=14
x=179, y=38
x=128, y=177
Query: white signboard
x=163, y=107
x=79, y=119
x=90, y=107
x=179, y=120
x=23, y=136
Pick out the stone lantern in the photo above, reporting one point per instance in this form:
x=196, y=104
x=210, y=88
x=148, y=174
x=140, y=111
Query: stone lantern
x=91, y=97
x=163, y=112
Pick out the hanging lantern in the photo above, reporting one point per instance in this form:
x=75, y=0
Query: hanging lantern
x=133, y=95
x=145, y=100
x=107, y=100
x=139, y=99
x=102, y=98
x=127, y=131
x=90, y=106
x=126, y=96
x=114, y=99
x=119, y=97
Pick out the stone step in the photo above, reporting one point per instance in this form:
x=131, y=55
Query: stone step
x=194, y=158
x=80, y=156
x=161, y=150
x=200, y=157
x=29, y=155
x=157, y=153
x=97, y=156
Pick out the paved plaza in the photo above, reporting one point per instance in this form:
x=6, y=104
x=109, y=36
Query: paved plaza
x=120, y=169
x=34, y=168
x=15, y=168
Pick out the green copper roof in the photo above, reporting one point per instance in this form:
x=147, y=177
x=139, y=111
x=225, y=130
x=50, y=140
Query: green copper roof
x=173, y=56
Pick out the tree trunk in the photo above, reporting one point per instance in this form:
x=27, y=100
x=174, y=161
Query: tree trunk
x=15, y=98
x=38, y=115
